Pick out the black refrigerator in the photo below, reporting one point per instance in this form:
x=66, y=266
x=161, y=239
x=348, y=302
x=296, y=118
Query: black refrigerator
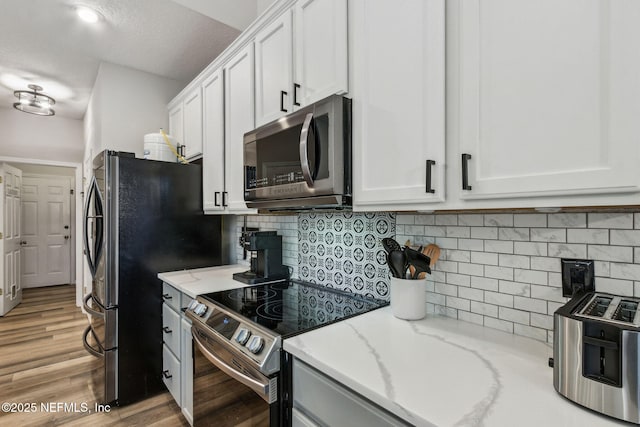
x=141, y=217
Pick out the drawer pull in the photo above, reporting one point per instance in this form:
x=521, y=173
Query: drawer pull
x=166, y=374
x=166, y=297
x=167, y=330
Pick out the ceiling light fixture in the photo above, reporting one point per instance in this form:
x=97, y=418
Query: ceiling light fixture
x=33, y=102
x=87, y=14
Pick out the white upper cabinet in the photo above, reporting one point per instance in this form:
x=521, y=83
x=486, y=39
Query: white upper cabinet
x=546, y=97
x=273, y=70
x=176, y=121
x=398, y=87
x=213, y=141
x=192, y=118
x=239, y=119
x=320, y=44
x=318, y=51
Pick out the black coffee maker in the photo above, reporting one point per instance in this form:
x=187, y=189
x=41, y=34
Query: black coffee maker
x=266, y=258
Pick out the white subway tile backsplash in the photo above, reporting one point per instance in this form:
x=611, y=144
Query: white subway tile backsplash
x=592, y=235
x=502, y=325
x=505, y=273
x=458, y=231
x=471, y=219
x=602, y=268
x=610, y=253
x=546, y=264
x=530, y=248
x=517, y=261
x=531, y=332
x=566, y=220
x=530, y=220
x=530, y=304
x=521, y=234
x=414, y=230
x=549, y=293
x=436, y=298
x=458, y=255
x=448, y=266
x=486, y=283
x=473, y=269
x=458, y=279
x=625, y=271
x=514, y=288
x=541, y=321
x=498, y=220
x=567, y=250
x=499, y=246
x=425, y=219
x=548, y=235
x=471, y=244
x=517, y=316
x=484, y=308
x=402, y=219
x=552, y=307
x=610, y=220
x=435, y=230
x=486, y=258
x=496, y=298
x=484, y=232
x=447, y=242
x=446, y=219
x=555, y=279
x=615, y=286
x=471, y=294
x=625, y=237
x=458, y=303
x=530, y=276
x=445, y=289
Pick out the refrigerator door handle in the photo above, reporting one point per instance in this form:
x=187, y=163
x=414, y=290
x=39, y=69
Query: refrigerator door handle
x=97, y=353
x=89, y=309
x=93, y=257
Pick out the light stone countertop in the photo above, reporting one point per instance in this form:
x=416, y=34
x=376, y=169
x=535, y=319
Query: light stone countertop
x=443, y=372
x=204, y=280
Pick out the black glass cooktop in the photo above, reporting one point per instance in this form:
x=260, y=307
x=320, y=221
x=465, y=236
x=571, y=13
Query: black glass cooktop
x=289, y=307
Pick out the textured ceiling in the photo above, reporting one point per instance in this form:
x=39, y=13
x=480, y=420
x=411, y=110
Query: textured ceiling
x=43, y=42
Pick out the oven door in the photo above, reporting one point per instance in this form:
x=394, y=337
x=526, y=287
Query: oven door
x=226, y=392
x=301, y=155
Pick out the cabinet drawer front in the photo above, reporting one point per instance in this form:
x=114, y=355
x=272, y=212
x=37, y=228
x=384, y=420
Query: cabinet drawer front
x=171, y=329
x=320, y=398
x=171, y=373
x=171, y=296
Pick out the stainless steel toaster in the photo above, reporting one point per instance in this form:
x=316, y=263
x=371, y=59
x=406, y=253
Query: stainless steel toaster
x=595, y=353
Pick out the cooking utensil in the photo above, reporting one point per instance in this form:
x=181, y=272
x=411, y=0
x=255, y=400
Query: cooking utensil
x=418, y=263
x=433, y=252
x=390, y=245
x=397, y=261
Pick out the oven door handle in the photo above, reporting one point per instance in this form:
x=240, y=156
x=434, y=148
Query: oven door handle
x=304, y=155
x=261, y=388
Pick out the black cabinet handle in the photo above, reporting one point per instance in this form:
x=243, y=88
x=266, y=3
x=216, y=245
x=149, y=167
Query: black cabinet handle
x=430, y=164
x=166, y=374
x=224, y=199
x=296, y=86
x=465, y=171
x=166, y=297
x=282, y=95
x=215, y=198
x=167, y=330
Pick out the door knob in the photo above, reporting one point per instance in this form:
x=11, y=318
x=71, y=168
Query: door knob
x=66, y=227
x=66, y=237
x=23, y=242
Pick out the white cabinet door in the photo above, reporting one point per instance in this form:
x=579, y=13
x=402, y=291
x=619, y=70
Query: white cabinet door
x=397, y=84
x=186, y=370
x=320, y=50
x=213, y=142
x=176, y=122
x=273, y=70
x=192, y=131
x=239, y=119
x=547, y=96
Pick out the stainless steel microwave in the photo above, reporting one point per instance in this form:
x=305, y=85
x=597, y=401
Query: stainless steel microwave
x=302, y=160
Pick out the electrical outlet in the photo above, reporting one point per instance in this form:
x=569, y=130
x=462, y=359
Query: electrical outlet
x=577, y=276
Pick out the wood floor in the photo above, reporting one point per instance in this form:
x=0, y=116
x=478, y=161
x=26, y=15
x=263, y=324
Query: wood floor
x=43, y=361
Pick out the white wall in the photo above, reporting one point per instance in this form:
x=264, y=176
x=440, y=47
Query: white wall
x=29, y=136
x=125, y=105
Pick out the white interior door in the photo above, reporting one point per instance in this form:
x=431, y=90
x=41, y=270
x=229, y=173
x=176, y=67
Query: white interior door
x=11, y=291
x=46, y=232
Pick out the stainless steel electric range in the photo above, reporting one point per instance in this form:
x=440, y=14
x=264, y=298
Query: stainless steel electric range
x=240, y=373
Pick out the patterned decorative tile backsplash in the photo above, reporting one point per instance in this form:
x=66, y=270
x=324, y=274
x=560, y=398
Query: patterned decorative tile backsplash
x=344, y=251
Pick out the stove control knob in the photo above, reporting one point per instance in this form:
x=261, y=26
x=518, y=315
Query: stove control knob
x=243, y=336
x=193, y=304
x=255, y=344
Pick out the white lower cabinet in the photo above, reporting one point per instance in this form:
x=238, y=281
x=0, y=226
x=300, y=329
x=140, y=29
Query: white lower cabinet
x=320, y=401
x=177, y=358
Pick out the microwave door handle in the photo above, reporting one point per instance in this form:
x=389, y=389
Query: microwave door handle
x=304, y=156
